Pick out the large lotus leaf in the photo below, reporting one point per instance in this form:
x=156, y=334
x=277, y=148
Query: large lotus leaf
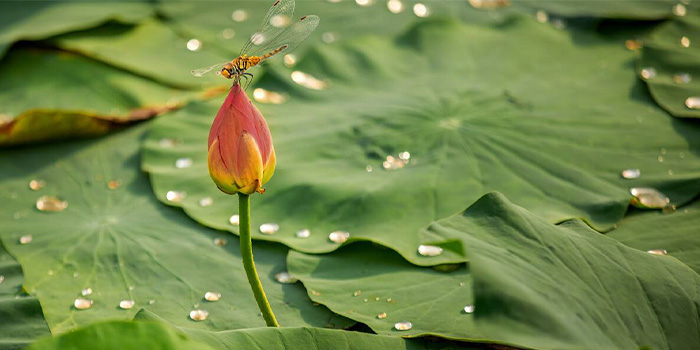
x=212, y=22
x=21, y=320
x=121, y=335
x=117, y=239
x=676, y=233
x=302, y=338
x=539, y=128
x=535, y=285
x=35, y=20
x=150, y=49
x=669, y=64
x=621, y=9
x=47, y=94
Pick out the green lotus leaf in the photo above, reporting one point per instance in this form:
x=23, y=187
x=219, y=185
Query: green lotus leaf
x=538, y=128
x=619, y=9
x=673, y=234
x=121, y=335
x=669, y=66
x=150, y=49
x=534, y=285
x=21, y=320
x=36, y=20
x=302, y=338
x=101, y=228
x=46, y=94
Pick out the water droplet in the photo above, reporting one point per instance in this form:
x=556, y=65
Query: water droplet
x=51, y=204
x=175, y=196
x=258, y=38
x=670, y=171
x=151, y=302
x=305, y=233
x=183, y=163
x=369, y=168
x=50, y=272
x=395, y=6
x=169, y=143
x=239, y=15
x=403, y=326
x=462, y=284
x=114, y=184
x=389, y=300
x=26, y=239
x=660, y=159
x=339, y=236
x=82, y=303
x=657, y=251
x=220, y=242
x=265, y=96
x=313, y=292
x=199, y=315
x=376, y=298
x=489, y=4
x=194, y=44
x=631, y=173
x=126, y=304
x=648, y=73
x=365, y=300
x=682, y=78
x=693, y=102
x=2, y=278
x=234, y=220
x=228, y=33
x=308, y=81
x=429, y=250
x=647, y=197
x=206, y=201
x=37, y=184
x=679, y=10
x=269, y=228
x=392, y=163
x=633, y=44
x=211, y=296
x=364, y=2
x=279, y=21
x=329, y=37
x=420, y=10
x=541, y=16
x=469, y=309
x=85, y=292
x=290, y=60
x=356, y=293
x=685, y=42
x=381, y=315
x=286, y=278
x=130, y=287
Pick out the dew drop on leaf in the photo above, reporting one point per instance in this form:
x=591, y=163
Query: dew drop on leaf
x=126, y=304
x=114, y=184
x=85, y=292
x=220, y=241
x=338, y=236
x=2, y=278
x=269, y=228
x=356, y=293
x=211, y=296
x=199, y=315
x=234, y=220
x=682, y=78
x=647, y=197
x=305, y=233
x=206, y=201
x=175, y=196
x=183, y=163
x=679, y=10
x=285, y=278
x=693, y=102
x=51, y=204
x=308, y=81
x=381, y=315
x=82, y=303
x=37, y=184
x=469, y=309
x=395, y=6
x=648, y=73
x=429, y=250
x=403, y=326
x=657, y=251
x=26, y=239
x=631, y=173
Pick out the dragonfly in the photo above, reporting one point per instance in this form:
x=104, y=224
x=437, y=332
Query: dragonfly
x=275, y=35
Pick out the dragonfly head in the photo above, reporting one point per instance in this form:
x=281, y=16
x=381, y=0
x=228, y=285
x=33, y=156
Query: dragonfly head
x=227, y=71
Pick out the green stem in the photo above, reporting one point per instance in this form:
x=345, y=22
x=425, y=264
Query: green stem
x=249, y=265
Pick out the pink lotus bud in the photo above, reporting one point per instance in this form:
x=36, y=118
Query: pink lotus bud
x=241, y=155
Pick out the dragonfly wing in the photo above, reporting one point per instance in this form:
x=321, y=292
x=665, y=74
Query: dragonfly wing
x=277, y=19
x=202, y=71
x=290, y=37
